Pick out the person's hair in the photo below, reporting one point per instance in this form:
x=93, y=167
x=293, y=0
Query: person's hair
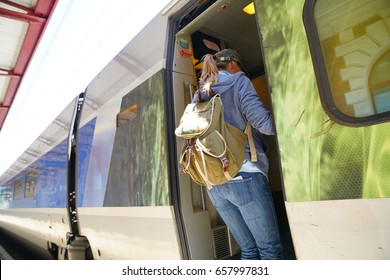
x=213, y=63
x=209, y=71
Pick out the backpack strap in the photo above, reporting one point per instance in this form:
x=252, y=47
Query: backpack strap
x=183, y=168
x=204, y=175
x=199, y=94
x=248, y=132
x=210, y=92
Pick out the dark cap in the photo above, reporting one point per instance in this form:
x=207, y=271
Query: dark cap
x=227, y=55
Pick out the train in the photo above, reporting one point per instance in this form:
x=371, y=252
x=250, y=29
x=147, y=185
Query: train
x=102, y=180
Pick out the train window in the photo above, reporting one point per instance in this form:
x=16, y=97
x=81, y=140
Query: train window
x=379, y=83
x=6, y=195
x=350, y=46
x=138, y=172
x=31, y=183
x=18, y=188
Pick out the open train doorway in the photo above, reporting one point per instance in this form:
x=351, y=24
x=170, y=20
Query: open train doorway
x=205, y=28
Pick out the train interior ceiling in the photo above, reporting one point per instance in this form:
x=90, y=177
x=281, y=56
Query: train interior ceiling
x=224, y=24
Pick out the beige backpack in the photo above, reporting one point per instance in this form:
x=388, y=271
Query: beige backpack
x=213, y=151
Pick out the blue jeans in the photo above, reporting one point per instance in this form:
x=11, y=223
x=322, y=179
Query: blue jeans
x=247, y=208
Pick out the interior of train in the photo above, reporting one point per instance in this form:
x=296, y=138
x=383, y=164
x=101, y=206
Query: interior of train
x=227, y=24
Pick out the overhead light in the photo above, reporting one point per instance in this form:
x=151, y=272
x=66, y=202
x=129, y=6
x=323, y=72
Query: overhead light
x=249, y=9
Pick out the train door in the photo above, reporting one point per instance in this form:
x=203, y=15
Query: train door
x=327, y=64
x=207, y=28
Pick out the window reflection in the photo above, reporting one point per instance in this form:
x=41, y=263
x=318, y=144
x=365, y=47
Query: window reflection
x=380, y=84
x=355, y=42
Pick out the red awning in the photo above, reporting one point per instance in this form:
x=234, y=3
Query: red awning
x=22, y=24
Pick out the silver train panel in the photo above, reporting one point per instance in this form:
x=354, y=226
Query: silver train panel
x=131, y=232
x=341, y=229
x=42, y=227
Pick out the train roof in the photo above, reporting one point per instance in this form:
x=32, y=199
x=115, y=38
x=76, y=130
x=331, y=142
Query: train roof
x=49, y=51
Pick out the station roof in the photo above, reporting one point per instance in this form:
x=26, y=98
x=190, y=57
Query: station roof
x=22, y=23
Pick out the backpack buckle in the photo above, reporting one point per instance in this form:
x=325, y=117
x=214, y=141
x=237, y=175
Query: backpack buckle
x=191, y=142
x=188, y=151
x=182, y=169
x=225, y=163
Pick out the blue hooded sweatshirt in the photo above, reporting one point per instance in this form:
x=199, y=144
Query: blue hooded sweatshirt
x=241, y=105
